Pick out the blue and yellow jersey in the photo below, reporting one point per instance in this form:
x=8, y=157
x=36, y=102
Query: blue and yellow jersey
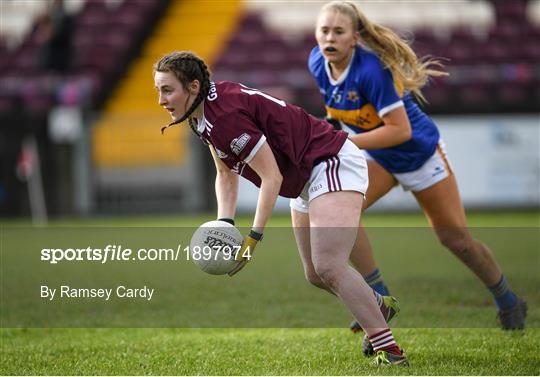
x=363, y=94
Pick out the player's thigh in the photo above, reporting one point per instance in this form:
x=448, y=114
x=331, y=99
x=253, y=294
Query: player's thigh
x=334, y=219
x=380, y=182
x=442, y=204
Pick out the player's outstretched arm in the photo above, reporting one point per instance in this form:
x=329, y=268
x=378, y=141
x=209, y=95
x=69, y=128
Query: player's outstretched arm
x=226, y=188
x=265, y=165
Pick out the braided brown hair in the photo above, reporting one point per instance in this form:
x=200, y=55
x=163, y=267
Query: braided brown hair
x=187, y=67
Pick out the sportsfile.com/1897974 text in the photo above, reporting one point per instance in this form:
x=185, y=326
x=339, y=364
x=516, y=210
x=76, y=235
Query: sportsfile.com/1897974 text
x=117, y=253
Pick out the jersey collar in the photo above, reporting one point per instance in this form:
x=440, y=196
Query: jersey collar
x=198, y=116
x=343, y=75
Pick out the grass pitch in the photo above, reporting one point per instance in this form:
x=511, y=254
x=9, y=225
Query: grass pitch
x=262, y=352
x=446, y=326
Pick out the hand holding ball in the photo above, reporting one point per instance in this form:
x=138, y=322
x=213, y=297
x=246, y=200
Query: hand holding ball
x=214, y=246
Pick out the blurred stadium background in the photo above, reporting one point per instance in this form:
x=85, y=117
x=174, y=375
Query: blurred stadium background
x=79, y=120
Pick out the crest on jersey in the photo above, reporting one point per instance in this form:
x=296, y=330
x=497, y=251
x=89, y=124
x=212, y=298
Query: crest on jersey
x=352, y=96
x=221, y=154
x=238, y=144
x=337, y=95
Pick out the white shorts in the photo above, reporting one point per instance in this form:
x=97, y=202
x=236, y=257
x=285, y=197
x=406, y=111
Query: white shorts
x=434, y=170
x=347, y=171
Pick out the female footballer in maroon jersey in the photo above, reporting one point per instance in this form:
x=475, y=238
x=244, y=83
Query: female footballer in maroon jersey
x=283, y=151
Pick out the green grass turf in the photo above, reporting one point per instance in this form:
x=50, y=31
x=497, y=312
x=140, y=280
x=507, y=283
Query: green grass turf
x=439, y=299
x=529, y=218
x=262, y=352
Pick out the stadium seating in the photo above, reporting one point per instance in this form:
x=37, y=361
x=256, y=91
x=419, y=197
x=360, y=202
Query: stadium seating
x=127, y=133
x=491, y=50
x=500, y=34
x=105, y=36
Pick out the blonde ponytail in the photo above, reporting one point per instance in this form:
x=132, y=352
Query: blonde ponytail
x=410, y=73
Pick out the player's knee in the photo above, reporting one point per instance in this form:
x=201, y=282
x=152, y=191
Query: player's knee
x=314, y=279
x=458, y=242
x=328, y=274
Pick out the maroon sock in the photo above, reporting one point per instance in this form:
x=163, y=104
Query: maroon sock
x=384, y=341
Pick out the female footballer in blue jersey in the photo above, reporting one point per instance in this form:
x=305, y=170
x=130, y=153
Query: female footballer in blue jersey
x=368, y=77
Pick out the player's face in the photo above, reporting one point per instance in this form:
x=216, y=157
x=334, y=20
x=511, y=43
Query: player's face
x=173, y=97
x=336, y=36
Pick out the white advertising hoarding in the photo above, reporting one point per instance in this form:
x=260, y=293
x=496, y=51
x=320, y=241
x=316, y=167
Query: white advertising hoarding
x=496, y=160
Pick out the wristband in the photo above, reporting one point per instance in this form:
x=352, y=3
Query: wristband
x=255, y=235
x=227, y=220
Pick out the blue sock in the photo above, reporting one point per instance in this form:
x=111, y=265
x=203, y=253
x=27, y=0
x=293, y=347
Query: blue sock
x=503, y=295
x=375, y=281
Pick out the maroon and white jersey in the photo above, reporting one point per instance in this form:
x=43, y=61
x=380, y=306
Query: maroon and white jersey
x=238, y=120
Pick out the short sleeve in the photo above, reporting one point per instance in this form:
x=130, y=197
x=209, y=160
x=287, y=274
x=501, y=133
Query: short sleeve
x=378, y=87
x=237, y=135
